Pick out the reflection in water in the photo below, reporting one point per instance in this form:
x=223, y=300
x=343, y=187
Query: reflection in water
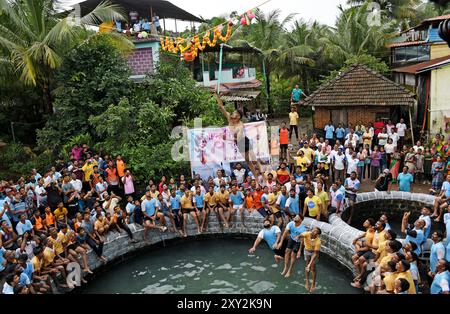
x=214, y=266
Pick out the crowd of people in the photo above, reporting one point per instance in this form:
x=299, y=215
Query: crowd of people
x=140, y=27
x=53, y=219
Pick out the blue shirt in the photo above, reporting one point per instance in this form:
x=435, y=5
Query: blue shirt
x=270, y=235
x=447, y=228
x=295, y=231
x=436, y=285
x=446, y=187
x=296, y=94
x=175, y=202
x=24, y=279
x=24, y=227
x=404, y=181
x=150, y=206
x=417, y=240
x=329, y=131
x=436, y=248
x=294, y=204
x=199, y=200
x=340, y=133
x=282, y=198
x=447, y=252
x=237, y=199
x=146, y=26
x=2, y=259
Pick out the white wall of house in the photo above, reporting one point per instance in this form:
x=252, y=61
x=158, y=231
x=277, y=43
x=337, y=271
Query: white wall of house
x=227, y=77
x=439, y=98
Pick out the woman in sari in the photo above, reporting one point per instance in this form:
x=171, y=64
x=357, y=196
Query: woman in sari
x=410, y=160
x=395, y=165
x=437, y=171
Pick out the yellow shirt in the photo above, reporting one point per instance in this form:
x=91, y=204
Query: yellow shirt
x=37, y=263
x=386, y=259
x=309, y=153
x=152, y=195
x=210, y=199
x=293, y=118
x=381, y=251
x=369, y=236
x=378, y=239
x=408, y=276
x=313, y=204
x=303, y=162
x=88, y=170
x=58, y=243
x=389, y=282
x=222, y=197
x=49, y=256
x=310, y=243
x=186, y=202
x=60, y=213
x=272, y=198
x=324, y=199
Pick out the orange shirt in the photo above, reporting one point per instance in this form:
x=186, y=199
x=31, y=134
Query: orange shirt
x=49, y=219
x=284, y=136
x=257, y=198
x=120, y=168
x=249, y=203
x=38, y=225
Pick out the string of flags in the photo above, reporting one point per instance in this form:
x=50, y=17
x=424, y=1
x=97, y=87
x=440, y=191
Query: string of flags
x=189, y=48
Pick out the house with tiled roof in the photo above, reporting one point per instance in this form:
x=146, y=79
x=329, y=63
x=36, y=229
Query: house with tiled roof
x=359, y=95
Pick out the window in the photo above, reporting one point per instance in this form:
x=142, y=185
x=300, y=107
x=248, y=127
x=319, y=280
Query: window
x=411, y=54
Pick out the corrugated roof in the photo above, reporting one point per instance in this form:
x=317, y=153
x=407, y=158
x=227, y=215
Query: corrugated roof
x=252, y=84
x=164, y=9
x=415, y=68
x=360, y=86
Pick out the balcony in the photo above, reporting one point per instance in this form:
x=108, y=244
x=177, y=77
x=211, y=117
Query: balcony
x=229, y=75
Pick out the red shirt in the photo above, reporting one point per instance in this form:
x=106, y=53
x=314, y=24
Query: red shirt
x=378, y=126
x=257, y=198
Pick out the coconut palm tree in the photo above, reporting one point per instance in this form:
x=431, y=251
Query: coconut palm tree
x=267, y=35
x=352, y=36
x=34, y=38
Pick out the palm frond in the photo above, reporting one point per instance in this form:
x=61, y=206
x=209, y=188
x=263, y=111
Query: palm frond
x=104, y=12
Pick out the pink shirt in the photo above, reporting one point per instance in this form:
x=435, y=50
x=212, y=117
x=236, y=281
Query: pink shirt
x=76, y=153
x=128, y=184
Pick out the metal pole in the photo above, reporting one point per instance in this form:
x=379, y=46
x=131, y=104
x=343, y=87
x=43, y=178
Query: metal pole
x=12, y=131
x=411, y=124
x=220, y=69
x=164, y=23
x=176, y=28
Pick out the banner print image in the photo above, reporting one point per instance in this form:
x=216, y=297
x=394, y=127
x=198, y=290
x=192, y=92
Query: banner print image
x=212, y=149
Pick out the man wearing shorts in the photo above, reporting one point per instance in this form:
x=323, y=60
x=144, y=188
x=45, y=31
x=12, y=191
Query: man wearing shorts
x=236, y=203
x=210, y=206
x=352, y=186
x=293, y=230
x=187, y=207
x=222, y=198
x=272, y=235
x=312, y=244
x=151, y=209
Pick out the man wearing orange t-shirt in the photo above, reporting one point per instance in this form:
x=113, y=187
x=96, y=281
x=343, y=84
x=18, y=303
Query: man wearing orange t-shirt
x=284, y=140
x=120, y=164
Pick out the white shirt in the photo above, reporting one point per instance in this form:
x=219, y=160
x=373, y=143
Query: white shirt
x=288, y=186
x=352, y=165
x=7, y=289
x=416, y=148
x=239, y=174
x=395, y=137
x=202, y=189
x=389, y=128
x=339, y=162
x=38, y=190
x=77, y=185
x=389, y=148
x=401, y=127
x=355, y=137
x=382, y=139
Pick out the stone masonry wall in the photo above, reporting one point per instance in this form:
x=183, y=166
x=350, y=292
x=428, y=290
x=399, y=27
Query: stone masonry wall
x=141, y=61
x=336, y=238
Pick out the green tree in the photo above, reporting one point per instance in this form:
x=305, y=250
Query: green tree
x=34, y=39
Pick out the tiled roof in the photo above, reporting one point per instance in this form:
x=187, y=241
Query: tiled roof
x=360, y=86
x=413, y=69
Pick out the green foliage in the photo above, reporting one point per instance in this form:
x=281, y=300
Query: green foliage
x=18, y=160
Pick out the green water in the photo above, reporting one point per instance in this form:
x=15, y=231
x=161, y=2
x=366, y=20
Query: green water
x=215, y=266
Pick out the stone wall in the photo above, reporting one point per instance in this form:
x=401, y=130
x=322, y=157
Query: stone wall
x=394, y=204
x=336, y=237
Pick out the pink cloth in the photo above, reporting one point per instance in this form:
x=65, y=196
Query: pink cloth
x=76, y=153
